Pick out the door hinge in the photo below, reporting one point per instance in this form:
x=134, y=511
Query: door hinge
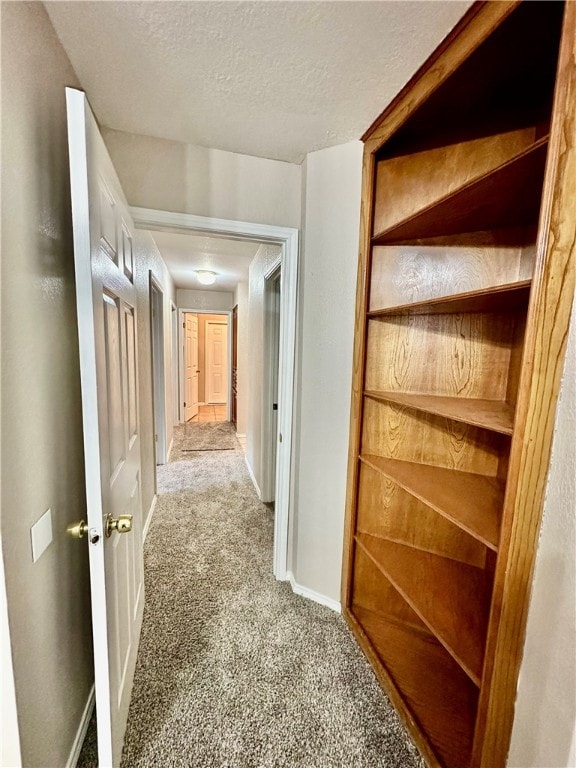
x=280, y=437
x=274, y=406
x=156, y=438
x=184, y=405
x=183, y=325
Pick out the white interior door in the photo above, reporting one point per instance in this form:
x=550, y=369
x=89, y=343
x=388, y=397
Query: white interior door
x=106, y=301
x=216, y=362
x=190, y=365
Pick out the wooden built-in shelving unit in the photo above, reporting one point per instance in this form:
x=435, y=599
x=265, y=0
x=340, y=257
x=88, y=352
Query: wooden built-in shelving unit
x=489, y=414
x=465, y=285
x=499, y=298
x=472, y=502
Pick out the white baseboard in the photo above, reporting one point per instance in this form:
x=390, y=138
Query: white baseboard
x=334, y=605
x=241, y=435
x=149, y=518
x=169, y=451
x=252, y=477
x=81, y=733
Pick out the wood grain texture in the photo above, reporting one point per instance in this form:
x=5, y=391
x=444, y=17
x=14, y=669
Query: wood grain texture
x=437, y=268
x=546, y=334
x=373, y=591
x=439, y=696
x=428, y=341
x=396, y=695
x=472, y=502
x=471, y=354
x=396, y=432
x=495, y=415
x=451, y=598
x=387, y=510
x=408, y=184
x=509, y=195
x=499, y=298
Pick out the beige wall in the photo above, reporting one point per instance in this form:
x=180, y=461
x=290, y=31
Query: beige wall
x=242, y=372
x=42, y=454
x=545, y=724
x=261, y=263
x=206, y=300
x=147, y=259
x=327, y=294
x=182, y=178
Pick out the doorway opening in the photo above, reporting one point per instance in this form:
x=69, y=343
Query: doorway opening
x=285, y=263
x=205, y=360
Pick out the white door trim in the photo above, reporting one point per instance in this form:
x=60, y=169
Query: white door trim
x=174, y=367
x=158, y=367
x=287, y=239
x=270, y=440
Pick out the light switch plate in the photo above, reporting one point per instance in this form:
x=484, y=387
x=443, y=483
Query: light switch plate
x=41, y=534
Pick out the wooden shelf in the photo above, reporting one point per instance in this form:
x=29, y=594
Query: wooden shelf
x=488, y=414
x=472, y=502
x=439, y=696
x=509, y=195
x=450, y=597
x=500, y=298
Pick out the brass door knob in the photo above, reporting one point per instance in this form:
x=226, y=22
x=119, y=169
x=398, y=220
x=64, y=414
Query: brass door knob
x=121, y=524
x=77, y=530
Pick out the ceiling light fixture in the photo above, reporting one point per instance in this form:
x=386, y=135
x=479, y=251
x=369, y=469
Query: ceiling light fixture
x=206, y=277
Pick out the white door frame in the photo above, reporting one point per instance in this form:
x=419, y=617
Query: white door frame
x=158, y=367
x=181, y=313
x=175, y=368
x=287, y=239
x=270, y=437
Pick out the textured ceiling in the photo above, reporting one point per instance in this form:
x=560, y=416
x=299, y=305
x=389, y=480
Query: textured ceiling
x=272, y=79
x=185, y=253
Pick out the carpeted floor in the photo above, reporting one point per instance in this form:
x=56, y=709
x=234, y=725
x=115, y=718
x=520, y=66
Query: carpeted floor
x=194, y=437
x=234, y=670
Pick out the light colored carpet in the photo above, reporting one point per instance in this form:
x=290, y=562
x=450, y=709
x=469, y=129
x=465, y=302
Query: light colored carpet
x=234, y=670
x=199, y=437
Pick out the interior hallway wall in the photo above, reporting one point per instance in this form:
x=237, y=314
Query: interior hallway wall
x=147, y=259
x=183, y=178
x=207, y=300
x=327, y=297
x=42, y=445
x=545, y=722
x=242, y=371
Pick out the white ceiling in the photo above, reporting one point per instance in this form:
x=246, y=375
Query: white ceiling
x=272, y=79
x=185, y=253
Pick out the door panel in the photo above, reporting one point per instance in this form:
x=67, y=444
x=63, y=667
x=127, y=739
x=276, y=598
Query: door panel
x=106, y=311
x=217, y=362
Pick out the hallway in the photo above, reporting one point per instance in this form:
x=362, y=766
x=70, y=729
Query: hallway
x=234, y=669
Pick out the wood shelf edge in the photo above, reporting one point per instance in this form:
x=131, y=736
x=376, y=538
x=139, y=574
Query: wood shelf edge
x=399, y=398
x=493, y=545
x=381, y=238
x=387, y=682
x=448, y=646
x=443, y=304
